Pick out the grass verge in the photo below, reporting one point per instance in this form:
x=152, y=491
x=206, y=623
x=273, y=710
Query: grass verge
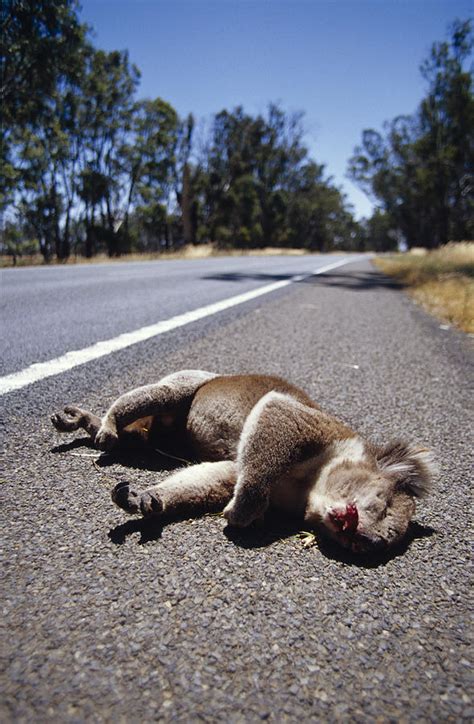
x=442, y=281
x=200, y=251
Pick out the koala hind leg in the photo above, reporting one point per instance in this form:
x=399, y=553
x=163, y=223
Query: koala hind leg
x=150, y=400
x=202, y=488
x=73, y=418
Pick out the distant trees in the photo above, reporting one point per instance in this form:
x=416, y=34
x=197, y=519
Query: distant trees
x=258, y=187
x=421, y=169
x=41, y=50
x=87, y=167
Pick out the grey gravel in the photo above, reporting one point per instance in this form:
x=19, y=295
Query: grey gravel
x=107, y=618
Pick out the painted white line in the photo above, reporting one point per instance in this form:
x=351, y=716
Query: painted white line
x=41, y=370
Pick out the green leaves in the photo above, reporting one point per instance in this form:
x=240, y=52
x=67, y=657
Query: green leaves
x=87, y=164
x=260, y=189
x=421, y=169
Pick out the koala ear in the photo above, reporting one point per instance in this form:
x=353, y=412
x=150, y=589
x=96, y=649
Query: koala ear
x=412, y=467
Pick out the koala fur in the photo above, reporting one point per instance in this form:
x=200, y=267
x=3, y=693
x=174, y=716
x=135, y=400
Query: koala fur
x=259, y=441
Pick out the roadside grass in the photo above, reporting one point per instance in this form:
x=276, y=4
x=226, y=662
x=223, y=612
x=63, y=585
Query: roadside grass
x=200, y=251
x=442, y=281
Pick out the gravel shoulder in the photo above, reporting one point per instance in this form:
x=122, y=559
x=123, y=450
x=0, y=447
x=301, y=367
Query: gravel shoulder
x=108, y=618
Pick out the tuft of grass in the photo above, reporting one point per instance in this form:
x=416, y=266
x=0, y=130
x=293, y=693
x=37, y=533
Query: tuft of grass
x=442, y=281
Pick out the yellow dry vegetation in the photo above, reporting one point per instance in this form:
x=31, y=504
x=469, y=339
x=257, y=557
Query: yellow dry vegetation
x=442, y=281
x=198, y=251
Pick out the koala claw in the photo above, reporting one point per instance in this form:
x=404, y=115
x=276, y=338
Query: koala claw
x=126, y=497
x=151, y=505
x=67, y=420
x=239, y=517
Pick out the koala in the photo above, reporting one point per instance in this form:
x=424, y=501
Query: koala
x=259, y=441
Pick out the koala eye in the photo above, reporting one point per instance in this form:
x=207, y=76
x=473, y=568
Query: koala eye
x=378, y=508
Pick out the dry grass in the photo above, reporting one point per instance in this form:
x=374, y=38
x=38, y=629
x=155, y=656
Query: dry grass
x=200, y=251
x=442, y=281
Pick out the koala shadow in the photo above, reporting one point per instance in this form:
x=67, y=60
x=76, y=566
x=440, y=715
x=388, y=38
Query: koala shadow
x=138, y=460
x=376, y=558
x=78, y=442
x=150, y=530
x=279, y=526
x=136, y=457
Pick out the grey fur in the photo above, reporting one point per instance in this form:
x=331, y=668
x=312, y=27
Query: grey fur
x=261, y=441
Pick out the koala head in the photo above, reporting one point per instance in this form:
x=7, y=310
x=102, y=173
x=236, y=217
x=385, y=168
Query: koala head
x=368, y=505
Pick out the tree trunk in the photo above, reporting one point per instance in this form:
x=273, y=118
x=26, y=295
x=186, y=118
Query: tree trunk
x=186, y=207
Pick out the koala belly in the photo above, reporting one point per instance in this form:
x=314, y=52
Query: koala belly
x=213, y=431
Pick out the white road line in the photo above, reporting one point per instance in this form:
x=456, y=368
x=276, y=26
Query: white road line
x=41, y=370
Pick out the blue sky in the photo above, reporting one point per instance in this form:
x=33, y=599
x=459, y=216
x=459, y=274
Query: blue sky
x=348, y=64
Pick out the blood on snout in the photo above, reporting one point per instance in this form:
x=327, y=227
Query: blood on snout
x=345, y=520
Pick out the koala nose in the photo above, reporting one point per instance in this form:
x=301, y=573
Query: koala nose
x=345, y=520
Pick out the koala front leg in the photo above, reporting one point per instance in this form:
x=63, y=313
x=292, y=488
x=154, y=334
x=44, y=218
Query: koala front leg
x=202, y=488
x=72, y=418
x=148, y=400
x=275, y=436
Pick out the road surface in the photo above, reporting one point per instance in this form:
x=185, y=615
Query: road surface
x=108, y=618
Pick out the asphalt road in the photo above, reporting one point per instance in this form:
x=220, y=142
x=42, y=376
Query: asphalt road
x=107, y=618
x=47, y=311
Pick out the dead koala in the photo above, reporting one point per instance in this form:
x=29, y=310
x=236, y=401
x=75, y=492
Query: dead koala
x=262, y=441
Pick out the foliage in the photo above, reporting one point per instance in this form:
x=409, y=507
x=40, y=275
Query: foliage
x=15, y=243
x=256, y=186
x=41, y=43
x=420, y=169
x=41, y=47
x=89, y=168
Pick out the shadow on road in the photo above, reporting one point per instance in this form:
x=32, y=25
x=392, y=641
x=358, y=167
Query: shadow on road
x=150, y=530
x=139, y=458
x=78, y=442
x=377, y=558
x=277, y=526
x=249, y=276
x=360, y=281
x=357, y=282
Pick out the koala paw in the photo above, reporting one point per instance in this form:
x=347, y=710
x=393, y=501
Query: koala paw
x=151, y=504
x=105, y=439
x=242, y=515
x=68, y=420
x=126, y=497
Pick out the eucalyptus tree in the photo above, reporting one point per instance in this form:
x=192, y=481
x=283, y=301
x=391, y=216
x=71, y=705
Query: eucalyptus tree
x=249, y=162
x=280, y=156
x=104, y=121
x=148, y=161
x=42, y=53
x=419, y=169
x=445, y=145
x=43, y=154
x=40, y=43
x=184, y=175
x=318, y=216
